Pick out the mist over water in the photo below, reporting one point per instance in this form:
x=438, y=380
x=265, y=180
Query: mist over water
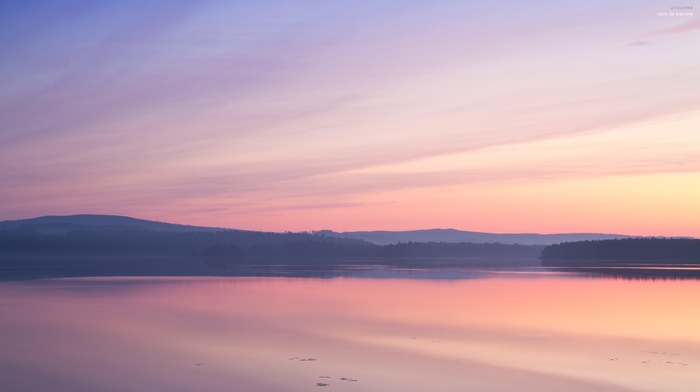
x=518, y=330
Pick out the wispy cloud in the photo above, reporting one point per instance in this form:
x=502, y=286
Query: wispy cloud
x=687, y=27
x=639, y=43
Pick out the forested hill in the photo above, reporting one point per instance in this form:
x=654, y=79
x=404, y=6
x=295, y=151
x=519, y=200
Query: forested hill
x=629, y=250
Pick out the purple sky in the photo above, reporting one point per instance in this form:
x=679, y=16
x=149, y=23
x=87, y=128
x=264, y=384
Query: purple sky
x=495, y=116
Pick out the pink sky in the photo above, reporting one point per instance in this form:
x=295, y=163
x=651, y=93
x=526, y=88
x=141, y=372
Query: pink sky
x=510, y=117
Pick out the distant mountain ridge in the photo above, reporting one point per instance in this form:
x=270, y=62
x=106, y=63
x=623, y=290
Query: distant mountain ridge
x=453, y=235
x=94, y=222
x=63, y=224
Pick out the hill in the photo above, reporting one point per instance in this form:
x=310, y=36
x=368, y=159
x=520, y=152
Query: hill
x=454, y=236
x=64, y=224
x=89, y=222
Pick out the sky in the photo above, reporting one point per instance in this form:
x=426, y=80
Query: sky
x=503, y=116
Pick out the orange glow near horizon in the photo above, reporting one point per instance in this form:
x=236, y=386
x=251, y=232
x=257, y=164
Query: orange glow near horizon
x=644, y=205
x=624, y=181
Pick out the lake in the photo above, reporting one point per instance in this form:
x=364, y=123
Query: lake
x=524, y=329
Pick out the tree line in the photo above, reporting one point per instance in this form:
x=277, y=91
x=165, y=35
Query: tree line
x=649, y=250
x=236, y=246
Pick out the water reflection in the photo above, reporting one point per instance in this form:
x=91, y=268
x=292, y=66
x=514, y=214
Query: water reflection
x=635, y=272
x=497, y=331
x=456, y=269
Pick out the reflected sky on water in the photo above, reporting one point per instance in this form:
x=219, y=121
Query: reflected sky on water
x=520, y=330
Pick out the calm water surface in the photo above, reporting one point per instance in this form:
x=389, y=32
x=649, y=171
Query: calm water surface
x=489, y=331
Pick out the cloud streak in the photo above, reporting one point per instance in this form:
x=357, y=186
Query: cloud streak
x=683, y=28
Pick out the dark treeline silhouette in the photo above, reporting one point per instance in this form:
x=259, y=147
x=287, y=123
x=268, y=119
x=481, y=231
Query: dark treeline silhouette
x=27, y=253
x=31, y=253
x=624, y=251
x=139, y=242
x=459, y=249
x=314, y=249
x=237, y=245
